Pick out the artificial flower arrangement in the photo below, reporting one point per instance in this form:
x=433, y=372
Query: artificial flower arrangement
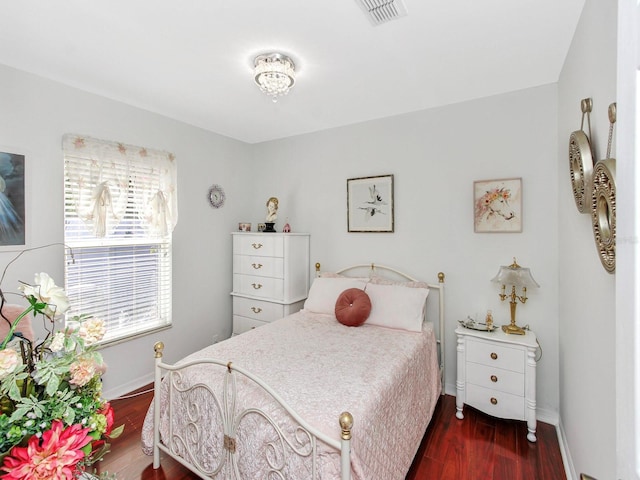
x=54, y=423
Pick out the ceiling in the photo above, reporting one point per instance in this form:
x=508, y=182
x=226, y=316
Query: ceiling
x=192, y=60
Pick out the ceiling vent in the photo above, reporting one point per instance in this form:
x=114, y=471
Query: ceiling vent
x=382, y=11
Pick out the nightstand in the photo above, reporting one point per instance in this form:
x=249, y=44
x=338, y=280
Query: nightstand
x=497, y=375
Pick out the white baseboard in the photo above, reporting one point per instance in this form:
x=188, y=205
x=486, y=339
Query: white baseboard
x=569, y=469
x=123, y=389
x=450, y=389
x=547, y=416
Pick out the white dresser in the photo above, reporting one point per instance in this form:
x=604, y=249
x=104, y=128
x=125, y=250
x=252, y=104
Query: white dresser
x=270, y=277
x=497, y=375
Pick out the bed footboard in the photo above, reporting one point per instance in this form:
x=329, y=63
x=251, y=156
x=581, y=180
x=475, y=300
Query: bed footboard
x=224, y=448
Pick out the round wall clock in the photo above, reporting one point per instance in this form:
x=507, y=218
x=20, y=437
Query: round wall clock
x=216, y=196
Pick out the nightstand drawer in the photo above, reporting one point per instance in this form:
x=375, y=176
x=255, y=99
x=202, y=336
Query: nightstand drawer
x=495, y=378
x=496, y=355
x=244, y=324
x=258, y=245
x=255, y=286
x=260, y=266
x=492, y=402
x=257, y=309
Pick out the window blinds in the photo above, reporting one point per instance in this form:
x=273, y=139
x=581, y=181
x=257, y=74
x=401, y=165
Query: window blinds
x=120, y=209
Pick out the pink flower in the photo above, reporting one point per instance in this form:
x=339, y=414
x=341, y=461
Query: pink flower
x=82, y=371
x=8, y=362
x=92, y=330
x=53, y=457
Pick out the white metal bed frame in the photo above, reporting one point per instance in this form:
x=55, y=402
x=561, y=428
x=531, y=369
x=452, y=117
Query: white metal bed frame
x=306, y=438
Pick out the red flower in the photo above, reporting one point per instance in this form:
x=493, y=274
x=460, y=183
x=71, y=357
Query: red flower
x=53, y=457
x=107, y=411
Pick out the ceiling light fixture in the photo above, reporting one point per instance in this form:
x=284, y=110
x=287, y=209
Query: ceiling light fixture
x=275, y=74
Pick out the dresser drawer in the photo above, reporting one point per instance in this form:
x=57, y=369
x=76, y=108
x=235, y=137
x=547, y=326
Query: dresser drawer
x=495, y=355
x=505, y=406
x=257, y=309
x=264, y=287
x=258, y=245
x=260, y=266
x=499, y=379
x=244, y=324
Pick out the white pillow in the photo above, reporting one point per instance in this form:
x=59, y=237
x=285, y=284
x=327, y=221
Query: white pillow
x=325, y=291
x=396, y=306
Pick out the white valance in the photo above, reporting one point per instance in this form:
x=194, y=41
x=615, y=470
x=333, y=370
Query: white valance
x=108, y=179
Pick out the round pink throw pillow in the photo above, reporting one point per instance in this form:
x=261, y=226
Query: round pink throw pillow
x=353, y=307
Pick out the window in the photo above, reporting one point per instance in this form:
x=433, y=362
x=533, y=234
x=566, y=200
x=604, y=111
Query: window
x=120, y=210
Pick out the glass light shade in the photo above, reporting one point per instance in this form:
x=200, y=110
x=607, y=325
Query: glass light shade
x=275, y=74
x=515, y=275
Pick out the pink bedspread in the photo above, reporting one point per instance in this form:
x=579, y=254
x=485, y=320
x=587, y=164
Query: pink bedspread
x=388, y=379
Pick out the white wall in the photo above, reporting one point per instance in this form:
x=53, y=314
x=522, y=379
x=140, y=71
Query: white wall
x=35, y=114
x=435, y=156
x=628, y=244
x=587, y=292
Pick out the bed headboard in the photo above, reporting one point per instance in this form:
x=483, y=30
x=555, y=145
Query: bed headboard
x=371, y=269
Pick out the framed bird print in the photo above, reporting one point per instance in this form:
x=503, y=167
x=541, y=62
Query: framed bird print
x=370, y=204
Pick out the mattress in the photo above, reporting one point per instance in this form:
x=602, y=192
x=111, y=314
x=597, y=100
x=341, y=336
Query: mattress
x=387, y=379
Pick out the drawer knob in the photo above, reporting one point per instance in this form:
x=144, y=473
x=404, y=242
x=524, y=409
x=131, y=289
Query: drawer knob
x=494, y=401
x=256, y=286
x=256, y=245
x=494, y=355
x=494, y=379
x=256, y=265
x=256, y=309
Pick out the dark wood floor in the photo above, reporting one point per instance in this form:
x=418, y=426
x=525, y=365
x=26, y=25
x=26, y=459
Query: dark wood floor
x=476, y=448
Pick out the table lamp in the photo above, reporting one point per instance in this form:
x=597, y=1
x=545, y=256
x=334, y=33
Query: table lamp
x=516, y=276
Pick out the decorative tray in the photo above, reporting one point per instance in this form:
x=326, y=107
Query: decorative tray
x=473, y=325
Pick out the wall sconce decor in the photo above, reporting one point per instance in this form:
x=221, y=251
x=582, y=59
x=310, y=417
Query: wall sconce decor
x=603, y=203
x=517, y=277
x=594, y=185
x=581, y=160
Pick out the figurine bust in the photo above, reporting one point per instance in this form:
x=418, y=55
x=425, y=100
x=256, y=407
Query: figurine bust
x=272, y=210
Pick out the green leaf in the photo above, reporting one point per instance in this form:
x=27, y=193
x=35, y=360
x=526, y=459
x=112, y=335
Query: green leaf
x=14, y=392
x=99, y=455
x=116, y=432
x=52, y=385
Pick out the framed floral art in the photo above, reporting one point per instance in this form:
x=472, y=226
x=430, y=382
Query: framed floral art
x=497, y=205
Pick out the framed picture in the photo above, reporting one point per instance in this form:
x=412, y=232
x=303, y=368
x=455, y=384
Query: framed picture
x=370, y=204
x=12, y=200
x=497, y=205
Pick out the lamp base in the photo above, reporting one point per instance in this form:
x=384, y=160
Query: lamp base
x=513, y=329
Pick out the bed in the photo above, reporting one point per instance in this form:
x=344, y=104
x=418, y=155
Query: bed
x=306, y=397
